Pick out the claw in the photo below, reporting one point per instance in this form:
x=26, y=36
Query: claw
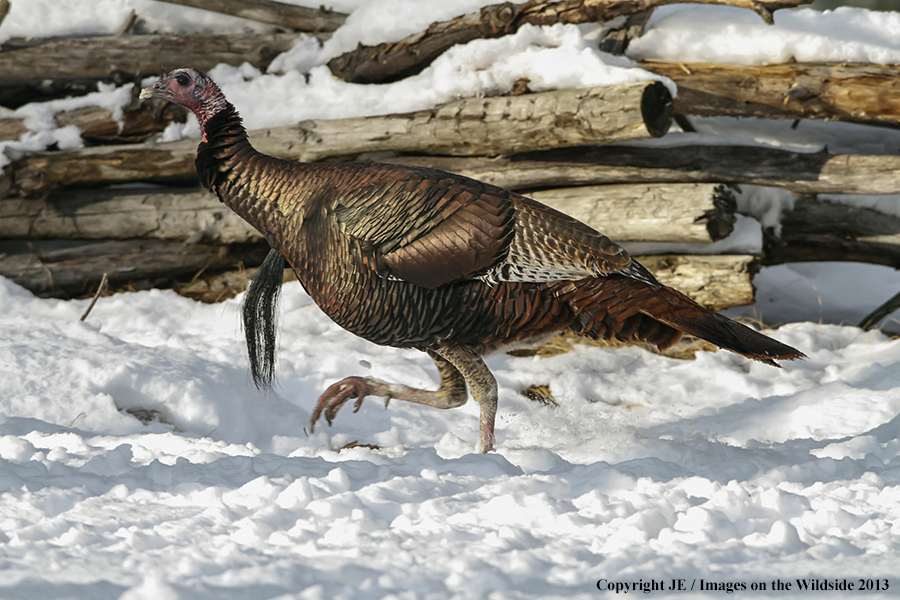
x=336, y=396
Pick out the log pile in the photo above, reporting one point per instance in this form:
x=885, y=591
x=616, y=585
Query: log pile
x=66, y=219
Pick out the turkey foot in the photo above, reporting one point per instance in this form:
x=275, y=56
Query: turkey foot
x=449, y=395
x=337, y=395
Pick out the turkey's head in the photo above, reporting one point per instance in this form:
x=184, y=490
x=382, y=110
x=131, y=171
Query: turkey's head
x=191, y=89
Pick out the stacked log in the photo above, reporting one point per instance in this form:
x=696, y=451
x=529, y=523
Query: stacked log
x=66, y=220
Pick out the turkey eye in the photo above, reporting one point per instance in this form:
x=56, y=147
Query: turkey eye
x=182, y=79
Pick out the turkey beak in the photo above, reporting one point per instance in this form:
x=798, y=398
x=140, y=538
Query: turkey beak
x=158, y=89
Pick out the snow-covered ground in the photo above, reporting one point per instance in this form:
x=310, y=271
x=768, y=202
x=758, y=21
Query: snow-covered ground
x=137, y=460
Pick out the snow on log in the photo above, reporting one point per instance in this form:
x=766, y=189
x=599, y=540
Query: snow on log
x=395, y=60
x=845, y=92
x=97, y=125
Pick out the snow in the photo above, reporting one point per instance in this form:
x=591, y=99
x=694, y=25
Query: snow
x=138, y=461
x=728, y=35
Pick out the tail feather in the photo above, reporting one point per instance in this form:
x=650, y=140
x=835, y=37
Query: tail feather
x=259, y=317
x=631, y=310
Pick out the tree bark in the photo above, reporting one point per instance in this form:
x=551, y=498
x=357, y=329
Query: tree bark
x=862, y=93
x=685, y=212
x=395, y=60
x=275, y=13
x=73, y=66
x=818, y=230
x=802, y=173
x=481, y=126
x=65, y=269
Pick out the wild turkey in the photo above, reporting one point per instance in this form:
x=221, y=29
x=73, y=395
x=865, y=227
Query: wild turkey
x=418, y=258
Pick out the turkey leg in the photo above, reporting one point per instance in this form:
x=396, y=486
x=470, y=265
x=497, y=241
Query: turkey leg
x=455, y=367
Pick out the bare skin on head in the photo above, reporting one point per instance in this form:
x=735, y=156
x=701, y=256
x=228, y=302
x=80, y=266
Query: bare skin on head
x=417, y=258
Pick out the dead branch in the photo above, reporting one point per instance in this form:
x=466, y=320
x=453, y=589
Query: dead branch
x=101, y=289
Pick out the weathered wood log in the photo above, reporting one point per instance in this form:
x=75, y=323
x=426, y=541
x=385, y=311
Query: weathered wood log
x=487, y=126
x=802, y=173
x=73, y=66
x=275, y=13
x=656, y=213
x=718, y=281
x=138, y=123
x=862, y=93
x=44, y=172
x=396, y=60
x=819, y=230
x=482, y=126
x=187, y=215
x=684, y=212
x=63, y=269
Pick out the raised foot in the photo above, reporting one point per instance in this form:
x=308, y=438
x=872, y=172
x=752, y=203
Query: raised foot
x=336, y=395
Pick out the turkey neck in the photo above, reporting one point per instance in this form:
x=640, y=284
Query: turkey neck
x=254, y=185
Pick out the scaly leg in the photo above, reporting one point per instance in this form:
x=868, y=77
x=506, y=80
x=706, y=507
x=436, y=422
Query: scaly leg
x=483, y=387
x=451, y=393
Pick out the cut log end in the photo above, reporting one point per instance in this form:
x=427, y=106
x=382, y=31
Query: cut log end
x=656, y=109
